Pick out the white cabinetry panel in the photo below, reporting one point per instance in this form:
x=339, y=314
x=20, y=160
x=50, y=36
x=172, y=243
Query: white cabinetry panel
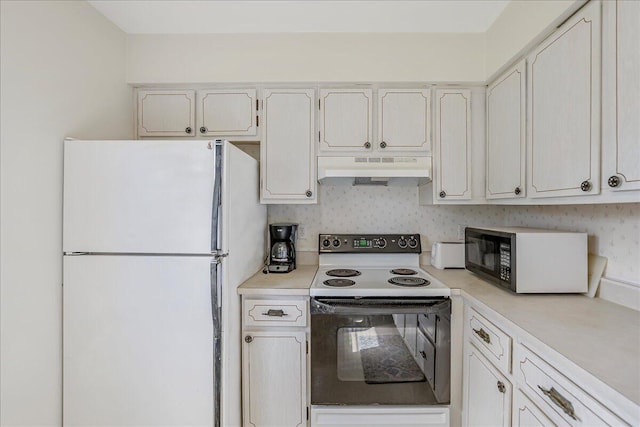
x=453, y=144
x=166, y=113
x=346, y=120
x=527, y=414
x=564, y=109
x=506, y=134
x=621, y=95
x=404, y=116
x=227, y=112
x=287, y=152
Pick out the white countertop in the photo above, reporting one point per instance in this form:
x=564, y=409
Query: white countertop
x=601, y=337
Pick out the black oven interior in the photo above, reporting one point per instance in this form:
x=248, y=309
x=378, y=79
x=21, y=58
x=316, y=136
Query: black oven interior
x=380, y=351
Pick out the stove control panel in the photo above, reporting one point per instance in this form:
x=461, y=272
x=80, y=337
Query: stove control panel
x=369, y=243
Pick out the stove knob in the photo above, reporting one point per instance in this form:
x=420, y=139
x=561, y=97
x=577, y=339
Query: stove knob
x=336, y=243
x=381, y=243
x=402, y=242
x=326, y=243
x=413, y=243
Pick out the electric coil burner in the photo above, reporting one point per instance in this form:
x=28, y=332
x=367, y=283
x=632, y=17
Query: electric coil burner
x=408, y=281
x=343, y=272
x=339, y=283
x=403, y=271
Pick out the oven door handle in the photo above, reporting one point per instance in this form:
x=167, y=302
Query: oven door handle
x=378, y=306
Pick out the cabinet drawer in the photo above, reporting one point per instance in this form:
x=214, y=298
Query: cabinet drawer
x=490, y=340
x=556, y=395
x=274, y=312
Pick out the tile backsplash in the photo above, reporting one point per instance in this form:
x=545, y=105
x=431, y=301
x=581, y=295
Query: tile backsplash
x=614, y=230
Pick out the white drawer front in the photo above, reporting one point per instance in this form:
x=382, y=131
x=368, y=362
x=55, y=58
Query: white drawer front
x=489, y=339
x=556, y=395
x=274, y=312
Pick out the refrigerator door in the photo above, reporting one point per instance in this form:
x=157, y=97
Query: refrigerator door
x=138, y=196
x=138, y=341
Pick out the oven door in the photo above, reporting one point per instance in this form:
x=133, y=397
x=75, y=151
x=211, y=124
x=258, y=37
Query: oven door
x=372, y=351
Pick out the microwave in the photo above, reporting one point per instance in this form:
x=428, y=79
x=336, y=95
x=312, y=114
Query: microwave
x=528, y=260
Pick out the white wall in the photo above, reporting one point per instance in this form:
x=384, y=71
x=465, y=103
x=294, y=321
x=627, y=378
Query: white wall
x=305, y=57
x=62, y=74
x=522, y=24
x=614, y=230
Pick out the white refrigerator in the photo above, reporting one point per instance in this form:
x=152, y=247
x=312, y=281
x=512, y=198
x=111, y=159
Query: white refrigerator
x=157, y=236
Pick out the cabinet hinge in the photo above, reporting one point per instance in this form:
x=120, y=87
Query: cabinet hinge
x=318, y=104
x=257, y=121
x=307, y=413
x=318, y=136
x=307, y=347
x=257, y=103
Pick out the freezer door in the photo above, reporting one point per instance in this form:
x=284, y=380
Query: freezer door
x=138, y=341
x=138, y=196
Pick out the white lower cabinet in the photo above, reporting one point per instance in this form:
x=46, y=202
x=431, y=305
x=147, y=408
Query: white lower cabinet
x=527, y=414
x=487, y=392
x=274, y=365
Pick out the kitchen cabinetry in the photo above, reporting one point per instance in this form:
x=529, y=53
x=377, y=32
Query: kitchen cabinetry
x=621, y=96
x=346, y=120
x=219, y=112
x=227, y=112
x=527, y=414
x=564, y=109
x=166, y=113
x=506, y=134
x=287, y=152
x=404, y=117
x=458, y=162
x=274, y=362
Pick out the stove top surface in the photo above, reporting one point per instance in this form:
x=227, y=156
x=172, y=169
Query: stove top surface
x=377, y=281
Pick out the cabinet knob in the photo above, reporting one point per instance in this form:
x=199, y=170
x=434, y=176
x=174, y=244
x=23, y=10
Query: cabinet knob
x=383, y=144
x=423, y=354
x=188, y=129
x=614, y=181
x=517, y=191
x=309, y=193
x=501, y=387
x=203, y=129
x=248, y=339
x=367, y=144
x=585, y=186
x=442, y=194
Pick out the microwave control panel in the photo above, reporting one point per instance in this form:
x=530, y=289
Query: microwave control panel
x=505, y=262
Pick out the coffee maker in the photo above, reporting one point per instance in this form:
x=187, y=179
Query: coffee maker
x=282, y=252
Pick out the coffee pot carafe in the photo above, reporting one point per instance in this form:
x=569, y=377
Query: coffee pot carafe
x=282, y=252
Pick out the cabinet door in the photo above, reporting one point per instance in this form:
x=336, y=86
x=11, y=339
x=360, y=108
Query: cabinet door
x=487, y=393
x=403, y=120
x=506, y=135
x=564, y=109
x=166, y=113
x=274, y=376
x=227, y=112
x=453, y=144
x=621, y=95
x=527, y=414
x=346, y=120
x=287, y=154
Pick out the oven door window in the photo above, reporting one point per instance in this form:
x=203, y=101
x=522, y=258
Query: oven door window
x=379, y=356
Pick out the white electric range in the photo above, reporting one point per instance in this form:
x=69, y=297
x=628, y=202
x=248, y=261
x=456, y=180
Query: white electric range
x=373, y=266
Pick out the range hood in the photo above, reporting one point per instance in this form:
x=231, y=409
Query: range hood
x=405, y=171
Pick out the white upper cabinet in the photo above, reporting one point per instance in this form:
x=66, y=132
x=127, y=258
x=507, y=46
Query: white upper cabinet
x=346, y=121
x=166, y=113
x=287, y=151
x=452, y=148
x=227, y=112
x=404, y=116
x=506, y=134
x=564, y=109
x=621, y=95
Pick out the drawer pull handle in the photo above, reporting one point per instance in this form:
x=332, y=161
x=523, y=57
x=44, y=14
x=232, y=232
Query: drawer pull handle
x=275, y=313
x=501, y=387
x=483, y=334
x=560, y=401
x=423, y=354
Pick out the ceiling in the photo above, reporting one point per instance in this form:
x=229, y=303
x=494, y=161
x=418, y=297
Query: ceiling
x=299, y=16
